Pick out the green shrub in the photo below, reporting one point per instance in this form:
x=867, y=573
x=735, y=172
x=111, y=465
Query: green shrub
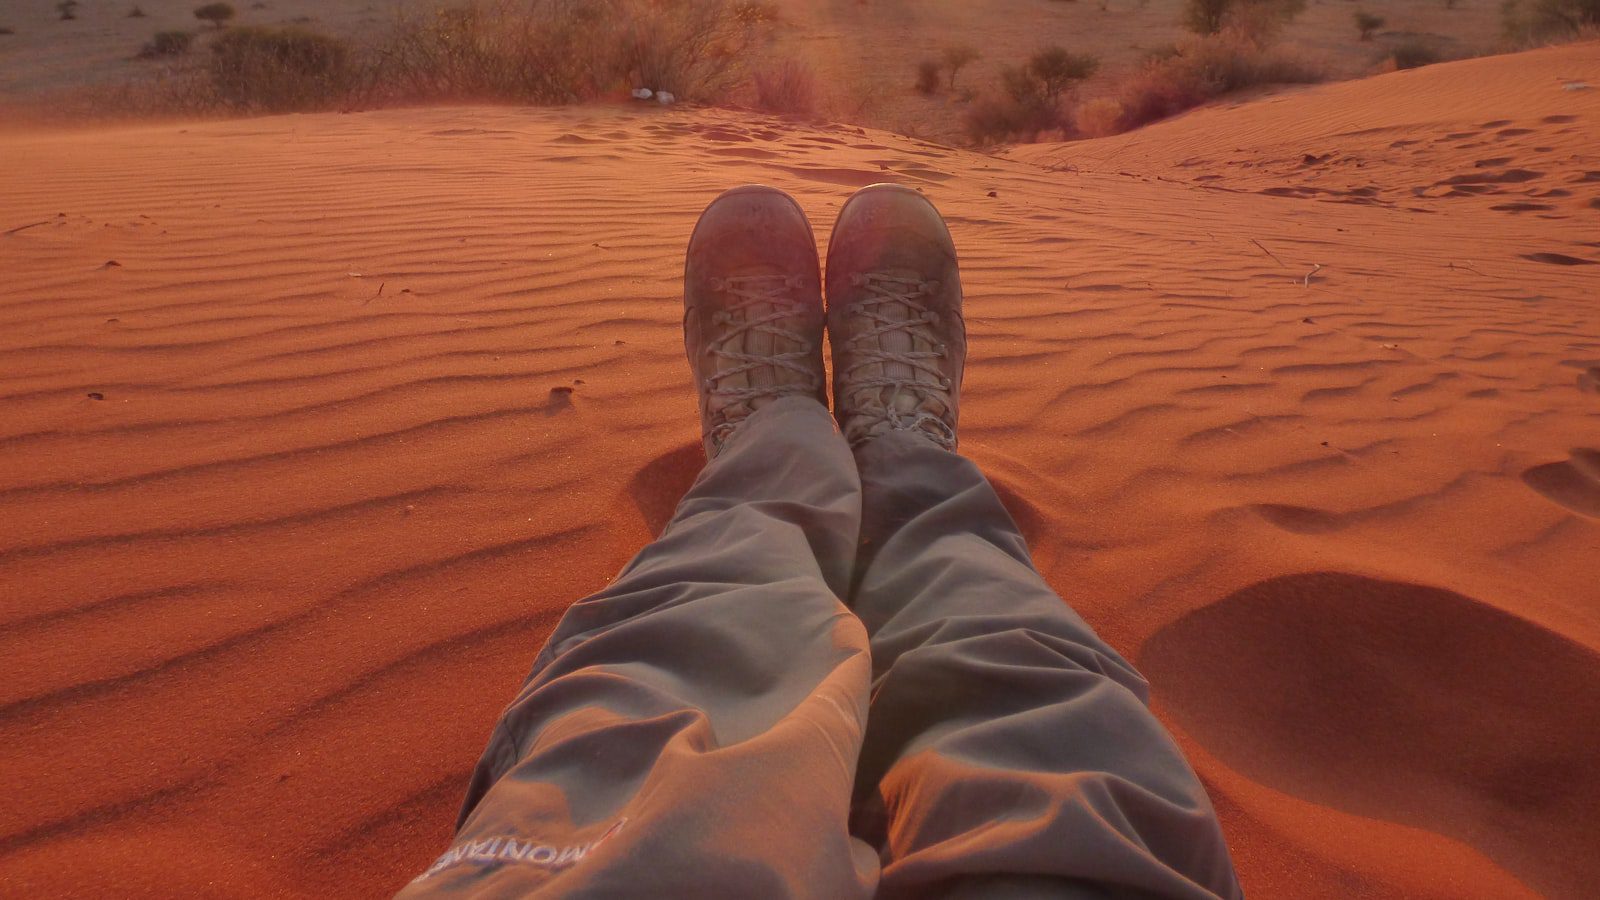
x=167, y=43
x=279, y=69
x=215, y=13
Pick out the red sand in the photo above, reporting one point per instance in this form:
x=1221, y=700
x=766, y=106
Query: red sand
x=289, y=496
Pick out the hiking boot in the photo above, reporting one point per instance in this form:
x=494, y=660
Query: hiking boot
x=894, y=318
x=752, y=322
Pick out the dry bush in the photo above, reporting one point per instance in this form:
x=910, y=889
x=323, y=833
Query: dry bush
x=930, y=74
x=215, y=13
x=1261, y=18
x=167, y=43
x=1099, y=117
x=1540, y=21
x=257, y=69
x=788, y=86
x=1367, y=23
x=1203, y=68
x=1415, y=53
x=957, y=57
x=1031, y=98
x=533, y=51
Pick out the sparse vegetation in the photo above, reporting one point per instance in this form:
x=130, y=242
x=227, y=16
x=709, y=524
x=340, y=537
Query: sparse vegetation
x=274, y=69
x=68, y=10
x=215, y=13
x=1202, y=68
x=1030, y=100
x=1259, y=18
x=535, y=51
x=7, y=29
x=930, y=74
x=1414, y=53
x=1535, y=21
x=136, y=13
x=1367, y=23
x=957, y=57
x=167, y=43
x=788, y=86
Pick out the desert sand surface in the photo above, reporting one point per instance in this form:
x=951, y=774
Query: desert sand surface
x=313, y=426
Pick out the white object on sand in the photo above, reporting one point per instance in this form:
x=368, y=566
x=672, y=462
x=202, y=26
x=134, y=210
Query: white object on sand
x=642, y=93
x=665, y=97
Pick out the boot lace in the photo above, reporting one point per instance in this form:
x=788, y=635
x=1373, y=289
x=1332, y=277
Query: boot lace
x=883, y=293
x=740, y=316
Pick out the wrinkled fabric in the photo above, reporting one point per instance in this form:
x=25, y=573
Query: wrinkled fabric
x=701, y=727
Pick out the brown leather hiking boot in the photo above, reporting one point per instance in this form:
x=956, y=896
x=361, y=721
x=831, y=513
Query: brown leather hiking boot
x=752, y=322
x=894, y=317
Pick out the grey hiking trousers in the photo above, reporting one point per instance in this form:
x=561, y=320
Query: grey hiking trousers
x=701, y=727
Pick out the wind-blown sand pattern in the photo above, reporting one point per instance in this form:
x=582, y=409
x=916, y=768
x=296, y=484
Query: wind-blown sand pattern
x=314, y=425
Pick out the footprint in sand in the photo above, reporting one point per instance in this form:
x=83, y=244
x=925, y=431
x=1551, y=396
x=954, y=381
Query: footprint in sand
x=1574, y=483
x=1401, y=703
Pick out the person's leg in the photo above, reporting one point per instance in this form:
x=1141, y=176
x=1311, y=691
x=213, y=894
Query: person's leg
x=1009, y=751
x=693, y=729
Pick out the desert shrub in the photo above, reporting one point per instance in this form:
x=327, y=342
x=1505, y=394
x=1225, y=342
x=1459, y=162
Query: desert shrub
x=1533, y=21
x=68, y=10
x=957, y=57
x=6, y=29
x=1204, y=68
x=693, y=48
x=215, y=13
x=930, y=74
x=167, y=43
x=277, y=69
x=1204, y=16
x=1259, y=18
x=528, y=51
x=136, y=13
x=1414, y=53
x=559, y=51
x=1099, y=117
x=1367, y=23
x=788, y=86
x=1030, y=97
x=1056, y=69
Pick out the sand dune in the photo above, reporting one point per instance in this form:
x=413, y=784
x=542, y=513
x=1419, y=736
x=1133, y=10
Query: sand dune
x=313, y=426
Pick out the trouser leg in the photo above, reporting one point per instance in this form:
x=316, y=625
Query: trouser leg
x=1009, y=750
x=692, y=730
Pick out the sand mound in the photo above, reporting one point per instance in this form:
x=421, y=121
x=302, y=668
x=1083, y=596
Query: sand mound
x=315, y=424
x=1326, y=686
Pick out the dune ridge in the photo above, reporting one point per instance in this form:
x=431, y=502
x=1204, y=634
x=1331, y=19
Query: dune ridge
x=315, y=424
